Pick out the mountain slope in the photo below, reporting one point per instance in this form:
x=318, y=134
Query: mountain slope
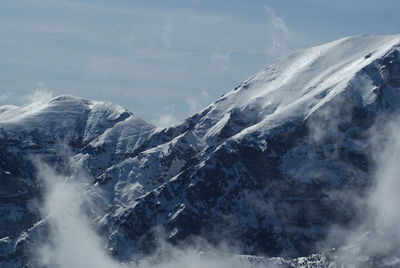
x=99, y=132
x=258, y=168
x=296, y=86
x=268, y=153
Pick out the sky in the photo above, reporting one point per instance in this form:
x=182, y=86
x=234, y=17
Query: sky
x=164, y=59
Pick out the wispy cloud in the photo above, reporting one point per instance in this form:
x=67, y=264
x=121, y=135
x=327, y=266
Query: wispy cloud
x=205, y=94
x=166, y=120
x=144, y=50
x=3, y=97
x=194, y=105
x=167, y=31
x=73, y=242
x=167, y=117
x=282, y=37
x=40, y=94
x=221, y=60
x=376, y=234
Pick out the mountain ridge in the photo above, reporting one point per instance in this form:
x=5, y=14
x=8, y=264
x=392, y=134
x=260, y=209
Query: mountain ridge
x=249, y=167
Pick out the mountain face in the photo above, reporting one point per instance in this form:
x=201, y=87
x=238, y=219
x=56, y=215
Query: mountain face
x=256, y=168
x=104, y=133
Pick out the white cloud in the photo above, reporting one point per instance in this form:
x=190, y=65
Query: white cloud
x=166, y=120
x=72, y=241
x=40, y=94
x=282, y=38
x=146, y=51
x=377, y=234
x=167, y=31
x=385, y=197
x=194, y=105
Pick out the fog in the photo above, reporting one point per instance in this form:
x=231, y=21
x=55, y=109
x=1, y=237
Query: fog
x=375, y=241
x=72, y=241
x=384, y=200
x=70, y=201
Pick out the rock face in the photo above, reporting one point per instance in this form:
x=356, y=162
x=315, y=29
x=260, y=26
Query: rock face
x=256, y=168
x=101, y=132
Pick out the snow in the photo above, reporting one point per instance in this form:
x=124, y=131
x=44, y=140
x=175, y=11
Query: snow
x=301, y=83
x=71, y=119
x=291, y=89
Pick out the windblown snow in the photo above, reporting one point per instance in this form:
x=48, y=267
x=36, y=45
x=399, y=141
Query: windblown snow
x=269, y=167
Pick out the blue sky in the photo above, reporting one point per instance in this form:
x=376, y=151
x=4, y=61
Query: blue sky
x=164, y=60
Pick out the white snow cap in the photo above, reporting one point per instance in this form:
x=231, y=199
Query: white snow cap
x=301, y=82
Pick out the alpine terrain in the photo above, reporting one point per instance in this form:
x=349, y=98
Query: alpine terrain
x=269, y=168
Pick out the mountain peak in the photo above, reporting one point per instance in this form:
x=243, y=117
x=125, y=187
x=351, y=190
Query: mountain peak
x=68, y=98
x=299, y=84
x=57, y=105
x=256, y=166
x=73, y=119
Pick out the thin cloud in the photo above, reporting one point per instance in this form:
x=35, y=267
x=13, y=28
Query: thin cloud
x=282, y=37
x=205, y=94
x=40, y=94
x=3, y=97
x=71, y=240
x=187, y=50
x=194, y=105
x=167, y=31
x=166, y=120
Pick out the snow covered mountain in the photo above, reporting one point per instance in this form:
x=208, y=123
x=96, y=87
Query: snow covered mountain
x=63, y=126
x=256, y=168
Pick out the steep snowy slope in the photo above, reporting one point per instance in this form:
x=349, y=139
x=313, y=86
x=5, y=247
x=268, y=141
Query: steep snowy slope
x=296, y=86
x=265, y=157
x=258, y=168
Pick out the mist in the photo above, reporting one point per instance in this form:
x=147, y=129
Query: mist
x=375, y=241
x=71, y=241
x=71, y=202
x=385, y=199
